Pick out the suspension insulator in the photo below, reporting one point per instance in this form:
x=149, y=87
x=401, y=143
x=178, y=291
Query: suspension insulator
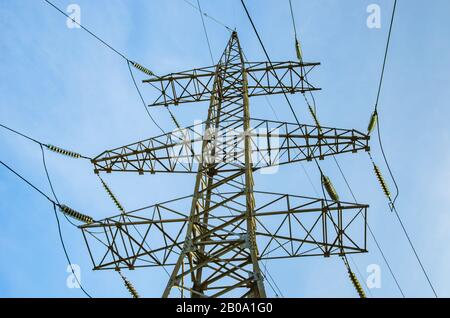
x=142, y=68
x=298, y=49
x=75, y=214
x=383, y=183
x=130, y=287
x=372, y=122
x=63, y=151
x=112, y=196
x=356, y=284
x=330, y=188
x=313, y=114
x=174, y=120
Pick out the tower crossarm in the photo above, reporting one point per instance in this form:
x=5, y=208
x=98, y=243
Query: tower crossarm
x=273, y=143
x=288, y=226
x=278, y=143
x=264, y=78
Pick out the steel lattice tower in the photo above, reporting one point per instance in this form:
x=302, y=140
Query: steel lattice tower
x=215, y=248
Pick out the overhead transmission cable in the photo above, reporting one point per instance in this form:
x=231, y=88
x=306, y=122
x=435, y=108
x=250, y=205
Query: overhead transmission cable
x=275, y=74
x=53, y=149
x=54, y=204
x=207, y=15
x=325, y=182
x=48, y=146
x=206, y=32
x=314, y=115
x=129, y=62
x=375, y=121
x=313, y=112
x=56, y=201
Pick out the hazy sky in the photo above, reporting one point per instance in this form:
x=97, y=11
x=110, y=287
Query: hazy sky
x=61, y=86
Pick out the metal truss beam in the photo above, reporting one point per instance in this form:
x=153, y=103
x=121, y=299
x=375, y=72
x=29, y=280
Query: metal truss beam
x=263, y=79
x=289, y=226
x=273, y=143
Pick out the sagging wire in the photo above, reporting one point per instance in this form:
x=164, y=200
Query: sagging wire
x=130, y=63
x=279, y=81
x=54, y=204
x=206, y=32
x=51, y=148
x=277, y=291
x=371, y=126
x=142, y=97
x=66, y=211
x=299, y=53
x=208, y=16
x=66, y=253
x=375, y=121
x=135, y=64
x=172, y=116
x=324, y=180
x=48, y=146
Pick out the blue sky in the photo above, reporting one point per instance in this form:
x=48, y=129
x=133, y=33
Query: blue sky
x=62, y=87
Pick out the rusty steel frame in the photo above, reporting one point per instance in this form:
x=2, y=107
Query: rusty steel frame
x=215, y=248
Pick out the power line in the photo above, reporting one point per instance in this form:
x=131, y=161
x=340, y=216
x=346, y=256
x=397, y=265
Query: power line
x=206, y=32
x=41, y=144
x=21, y=134
x=28, y=182
x=142, y=98
x=392, y=202
x=87, y=30
x=293, y=19
x=208, y=16
x=380, y=85
x=44, y=163
x=136, y=65
x=275, y=74
x=386, y=54
x=345, y=178
x=55, y=204
x=284, y=93
x=372, y=234
x=65, y=251
x=414, y=250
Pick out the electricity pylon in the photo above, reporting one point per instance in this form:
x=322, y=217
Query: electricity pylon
x=215, y=248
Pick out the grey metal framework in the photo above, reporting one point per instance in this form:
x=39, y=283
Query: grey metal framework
x=215, y=248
